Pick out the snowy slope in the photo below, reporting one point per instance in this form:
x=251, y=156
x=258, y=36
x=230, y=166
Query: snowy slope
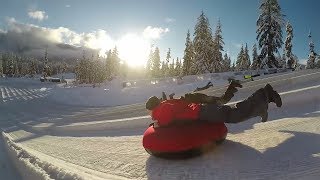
x=286, y=148
x=50, y=139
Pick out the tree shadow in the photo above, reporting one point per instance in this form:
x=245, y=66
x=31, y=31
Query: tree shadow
x=295, y=158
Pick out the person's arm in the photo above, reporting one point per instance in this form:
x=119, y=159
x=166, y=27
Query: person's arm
x=225, y=98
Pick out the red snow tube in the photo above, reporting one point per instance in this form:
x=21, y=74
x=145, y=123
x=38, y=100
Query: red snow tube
x=182, y=141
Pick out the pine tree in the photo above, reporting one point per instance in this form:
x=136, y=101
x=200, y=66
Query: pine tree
x=178, y=68
x=233, y=68
x=226, y=63
x=282, y=60
x=156, y=63
x=217, y=48
x=32, y=68
x=45, y=64
x=202, y=43
x=115, y=62
x=269, y=31
x=288, y=46
x=188, y=56
x=10, y=65
x=149, y=63
x=246, y=59
x=311, y=61
x=318, y=62
x=163, y=69
x=255, y=58
x=166, y=67
x=239, y=62
x=108, y=65
x=312, y=55
x=171, y=68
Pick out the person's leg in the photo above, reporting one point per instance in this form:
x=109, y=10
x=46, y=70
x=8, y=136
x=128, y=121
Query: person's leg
x=203, y=98
x=255, y=105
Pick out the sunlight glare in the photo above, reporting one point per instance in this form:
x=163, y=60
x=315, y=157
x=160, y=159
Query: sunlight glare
x=133, y=49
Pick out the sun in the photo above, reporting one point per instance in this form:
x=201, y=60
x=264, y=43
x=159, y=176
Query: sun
x=134, y=50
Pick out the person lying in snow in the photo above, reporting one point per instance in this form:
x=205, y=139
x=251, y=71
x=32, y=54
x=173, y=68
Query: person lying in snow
x=198, y=106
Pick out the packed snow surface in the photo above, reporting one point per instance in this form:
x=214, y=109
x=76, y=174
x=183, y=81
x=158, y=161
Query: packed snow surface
x=66, y=131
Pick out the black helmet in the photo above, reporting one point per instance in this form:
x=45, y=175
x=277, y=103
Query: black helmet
x=152, y=102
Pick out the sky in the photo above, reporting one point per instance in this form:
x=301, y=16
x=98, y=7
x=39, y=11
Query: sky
x=135, y=25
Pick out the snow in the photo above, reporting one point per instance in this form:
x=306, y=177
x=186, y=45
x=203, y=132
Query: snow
x=67, y=132
x=137, y=91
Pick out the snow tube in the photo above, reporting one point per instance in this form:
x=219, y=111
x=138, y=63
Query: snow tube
x=183, y=141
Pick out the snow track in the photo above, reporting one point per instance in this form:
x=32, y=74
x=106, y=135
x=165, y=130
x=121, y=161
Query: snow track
x=20, y=94
x=283, y=149
x=105, y=143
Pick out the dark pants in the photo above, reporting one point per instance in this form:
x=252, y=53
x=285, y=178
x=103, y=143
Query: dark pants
x=251, y=107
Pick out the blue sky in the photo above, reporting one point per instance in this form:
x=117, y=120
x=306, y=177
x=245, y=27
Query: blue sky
x=171, y=19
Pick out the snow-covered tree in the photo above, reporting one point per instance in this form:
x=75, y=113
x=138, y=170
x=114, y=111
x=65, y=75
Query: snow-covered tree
x=217, y=48
x=115, y=62
x=269, y=31
x=178, y=68
x=233, y=67
x=311, y=60
x=163, y=69
x=282, y=60
x=318, y=62
x=156, y=63
x=312, y=55
x=149, y=63
x=10, y=65
x=171, y=68
x=239, y=61
x=108, y=65
x=255, y=58
x=288, y=46
x=202, y=44
x=166, y=68
x=246, y=58
x=188, y=56
x=32, y=68
x=46, y=68
x=226, y=63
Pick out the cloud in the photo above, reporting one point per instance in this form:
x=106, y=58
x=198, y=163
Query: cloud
x=169, y=20
x=38, y=15
x=68, y=5
x=30, y=39
x=237, y=45
x=154, y=32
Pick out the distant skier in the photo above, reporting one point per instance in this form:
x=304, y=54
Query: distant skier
x=197, y=106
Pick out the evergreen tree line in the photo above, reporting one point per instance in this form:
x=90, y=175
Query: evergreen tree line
x=203, y=53
x=14, y=65
x=97, y=69
x=169, y=67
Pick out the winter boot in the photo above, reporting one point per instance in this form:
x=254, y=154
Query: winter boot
x=272, y=95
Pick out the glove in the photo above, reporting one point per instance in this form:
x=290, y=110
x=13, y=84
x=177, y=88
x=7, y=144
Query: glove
x=164, y=96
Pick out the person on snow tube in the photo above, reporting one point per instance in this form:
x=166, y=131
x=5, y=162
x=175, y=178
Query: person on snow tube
x=200, y=107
